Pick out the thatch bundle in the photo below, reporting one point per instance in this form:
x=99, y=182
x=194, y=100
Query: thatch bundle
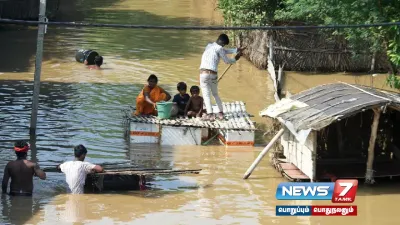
x=308, y=50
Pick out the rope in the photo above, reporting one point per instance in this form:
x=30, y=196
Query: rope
x=77, y=24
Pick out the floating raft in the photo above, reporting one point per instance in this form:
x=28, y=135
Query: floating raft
x=127, y=179
x=235, y=118
x=147, y=172
x=235, y=130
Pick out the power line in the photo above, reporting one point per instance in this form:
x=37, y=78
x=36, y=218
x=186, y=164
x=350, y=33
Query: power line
x=77, y=24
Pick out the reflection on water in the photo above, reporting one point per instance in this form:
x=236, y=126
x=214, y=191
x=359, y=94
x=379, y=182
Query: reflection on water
x=79, y=106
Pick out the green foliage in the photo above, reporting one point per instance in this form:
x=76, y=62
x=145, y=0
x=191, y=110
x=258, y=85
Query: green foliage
x=392, y=81
x=328, y=12
x=248, y=12
x=348, y=12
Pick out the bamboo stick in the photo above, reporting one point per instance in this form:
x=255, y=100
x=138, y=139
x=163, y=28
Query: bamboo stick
x=262, y=154
x=369, y=176
x=149, y=172
x=224, y=72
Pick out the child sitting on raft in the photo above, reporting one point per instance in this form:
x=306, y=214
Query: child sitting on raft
x=194, y=107
x=181, y=99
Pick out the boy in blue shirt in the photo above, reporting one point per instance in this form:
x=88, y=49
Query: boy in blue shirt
x=182, y=98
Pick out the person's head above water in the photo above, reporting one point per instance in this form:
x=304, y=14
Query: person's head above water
x=80, y=152
x=223, y=40
x=98, y=60
x=195, y=90
x=152, y=80
x=21, y=149
x=182, y=88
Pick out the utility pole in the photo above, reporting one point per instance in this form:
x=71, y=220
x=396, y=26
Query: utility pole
x=38, y=67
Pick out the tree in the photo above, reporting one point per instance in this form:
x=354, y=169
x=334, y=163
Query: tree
x=328, y=12
x=386, y=39
x=249, y=12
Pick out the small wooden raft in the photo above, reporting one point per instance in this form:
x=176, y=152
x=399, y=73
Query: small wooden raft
x=235, y=118
x=147, y=172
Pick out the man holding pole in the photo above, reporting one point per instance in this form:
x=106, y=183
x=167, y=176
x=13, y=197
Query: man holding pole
x=209, y=71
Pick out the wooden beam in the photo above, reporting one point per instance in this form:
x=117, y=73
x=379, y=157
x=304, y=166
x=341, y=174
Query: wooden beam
x=369, y=175
x=314, y=155
x=263, y=153
x=38, y=67
x=340, y=138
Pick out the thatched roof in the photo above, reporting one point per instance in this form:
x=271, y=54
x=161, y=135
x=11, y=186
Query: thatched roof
x=320, y=106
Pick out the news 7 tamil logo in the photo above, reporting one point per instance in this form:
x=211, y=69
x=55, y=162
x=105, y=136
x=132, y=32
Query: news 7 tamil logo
x=341, y=191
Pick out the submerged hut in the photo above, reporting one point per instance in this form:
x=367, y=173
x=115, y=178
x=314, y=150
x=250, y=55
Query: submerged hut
x=339, y=131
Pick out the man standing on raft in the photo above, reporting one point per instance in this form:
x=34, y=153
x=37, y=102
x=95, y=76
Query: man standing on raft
x=209, y=72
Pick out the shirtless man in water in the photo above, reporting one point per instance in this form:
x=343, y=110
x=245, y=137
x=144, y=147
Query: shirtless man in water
x=21, y=172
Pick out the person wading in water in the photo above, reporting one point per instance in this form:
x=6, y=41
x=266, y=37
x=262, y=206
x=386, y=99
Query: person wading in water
x=21, y=172
x=77, y=170
x=98, y=61
x=209, y=72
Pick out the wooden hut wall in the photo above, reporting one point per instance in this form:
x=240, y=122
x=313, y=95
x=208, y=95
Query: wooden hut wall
x=302, y=156
x=308, y=51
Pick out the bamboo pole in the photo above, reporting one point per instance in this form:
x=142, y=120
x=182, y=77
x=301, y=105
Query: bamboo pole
x=271, y=47
x=227, y=68
x=369, y=176
x=224, y=72
x=38, y=67
x=262, y=154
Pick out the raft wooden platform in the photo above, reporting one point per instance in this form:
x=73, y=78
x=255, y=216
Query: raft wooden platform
x=147, y=172
x=289, y=171
x=127, y=179
x=235, y=130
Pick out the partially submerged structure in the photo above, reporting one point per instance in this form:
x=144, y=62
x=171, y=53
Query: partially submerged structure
x=235, y=130
x=339, y=131
x=127, y=179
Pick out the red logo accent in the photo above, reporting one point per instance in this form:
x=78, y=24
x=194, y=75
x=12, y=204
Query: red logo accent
x=345, y=191
x=334, y=210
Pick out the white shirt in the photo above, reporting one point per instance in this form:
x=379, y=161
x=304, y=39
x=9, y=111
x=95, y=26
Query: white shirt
x=212, y=55
x=75, y=174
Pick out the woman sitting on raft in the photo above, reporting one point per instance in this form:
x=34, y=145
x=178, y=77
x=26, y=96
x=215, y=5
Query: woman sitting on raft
x=149, y=96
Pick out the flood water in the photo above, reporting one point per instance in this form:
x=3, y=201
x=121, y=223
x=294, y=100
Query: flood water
x=79, y=106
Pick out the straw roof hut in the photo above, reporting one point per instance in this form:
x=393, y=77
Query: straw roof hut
x=341, y=129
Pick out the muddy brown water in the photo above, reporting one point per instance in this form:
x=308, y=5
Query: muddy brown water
x=82, y=106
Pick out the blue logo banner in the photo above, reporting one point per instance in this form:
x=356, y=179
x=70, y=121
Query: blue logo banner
x=304, y=191
x=293, y=210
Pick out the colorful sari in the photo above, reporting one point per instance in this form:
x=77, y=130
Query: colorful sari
x=157, y=94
